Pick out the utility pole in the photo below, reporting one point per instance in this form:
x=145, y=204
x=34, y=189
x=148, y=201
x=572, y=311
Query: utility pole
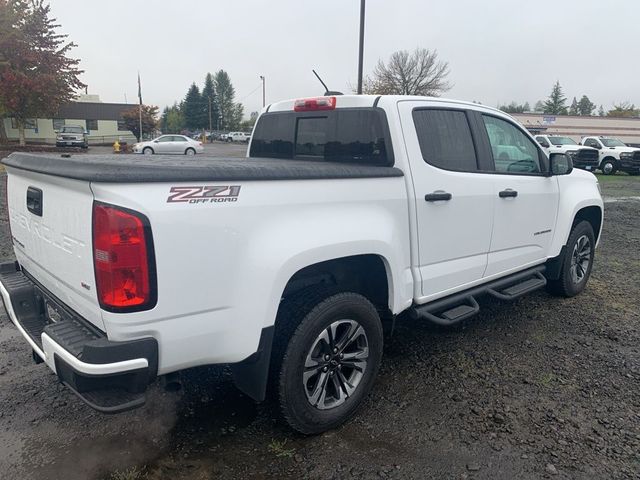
x=263, y=91
x=209, y=113
x=361, y=49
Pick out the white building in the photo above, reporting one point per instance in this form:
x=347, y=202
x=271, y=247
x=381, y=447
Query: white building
x=103, y=121
x=576, y=127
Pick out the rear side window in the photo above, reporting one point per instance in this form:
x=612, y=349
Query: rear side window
x=348, y=135
x=445, y=139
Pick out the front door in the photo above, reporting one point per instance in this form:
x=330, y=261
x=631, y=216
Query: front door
x=526, y=198
x=453, y=201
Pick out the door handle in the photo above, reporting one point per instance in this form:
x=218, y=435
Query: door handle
x=508, y=193
x=437, y=196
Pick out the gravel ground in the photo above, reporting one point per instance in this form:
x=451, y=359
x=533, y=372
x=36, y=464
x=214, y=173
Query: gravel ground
x=543, y=387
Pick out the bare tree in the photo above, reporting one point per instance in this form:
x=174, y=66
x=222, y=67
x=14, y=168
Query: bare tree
x=417, y=73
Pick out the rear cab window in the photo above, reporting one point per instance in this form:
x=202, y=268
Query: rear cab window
x=346, y=135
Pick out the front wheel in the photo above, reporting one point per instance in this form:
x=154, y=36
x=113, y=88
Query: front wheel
x=147, y=151
x=577, y=263
x=330, y=362
x=609, y=166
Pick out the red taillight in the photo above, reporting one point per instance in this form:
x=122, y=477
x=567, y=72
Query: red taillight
x=122, y=257
x=313, y=104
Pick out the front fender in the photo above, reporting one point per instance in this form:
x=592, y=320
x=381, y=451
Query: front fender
x=577, y=191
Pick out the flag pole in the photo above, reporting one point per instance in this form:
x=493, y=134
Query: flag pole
x=140, y=106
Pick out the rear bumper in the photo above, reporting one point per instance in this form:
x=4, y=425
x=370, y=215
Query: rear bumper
x=110, y=376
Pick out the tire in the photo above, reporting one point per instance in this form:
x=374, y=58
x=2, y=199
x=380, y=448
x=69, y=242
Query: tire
x=147, y=151
x=189, y=151
x=303, y=327
x=576, y=268
x=229, y=140
x=609, y=166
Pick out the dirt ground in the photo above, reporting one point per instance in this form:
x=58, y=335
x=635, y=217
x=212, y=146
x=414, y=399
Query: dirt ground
x=543, y=387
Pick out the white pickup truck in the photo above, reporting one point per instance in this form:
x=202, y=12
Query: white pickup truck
x=615, y=155
x=348, y=211
x=582, y=156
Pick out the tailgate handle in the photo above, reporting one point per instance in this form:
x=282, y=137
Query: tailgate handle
x=34, y=201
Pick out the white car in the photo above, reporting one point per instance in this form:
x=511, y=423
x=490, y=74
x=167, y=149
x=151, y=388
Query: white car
x=348, y=211
x=169, y=144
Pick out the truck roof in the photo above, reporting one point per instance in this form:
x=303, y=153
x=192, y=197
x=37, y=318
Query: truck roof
x=360, y=101
x=171, y=168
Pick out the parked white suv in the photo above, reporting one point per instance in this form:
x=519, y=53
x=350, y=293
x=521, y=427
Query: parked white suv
x=238, y=137
x=348, y=211
x=615, y=155
x=582, y=157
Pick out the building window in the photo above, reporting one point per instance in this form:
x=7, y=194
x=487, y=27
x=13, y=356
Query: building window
x=92, y=125
x=58, y=123
x=122, y=126
x=29, y=123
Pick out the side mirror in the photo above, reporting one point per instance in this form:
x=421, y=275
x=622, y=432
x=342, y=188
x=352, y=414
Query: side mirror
x=155, y=141
x=560, y=164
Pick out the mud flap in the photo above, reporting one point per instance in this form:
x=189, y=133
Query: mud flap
x=251, y=375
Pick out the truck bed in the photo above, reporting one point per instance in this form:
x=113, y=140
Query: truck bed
x=166, y=168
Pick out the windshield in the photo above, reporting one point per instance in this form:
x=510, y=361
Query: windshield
x=612, y=142
x=562, y=141
x=72, y=130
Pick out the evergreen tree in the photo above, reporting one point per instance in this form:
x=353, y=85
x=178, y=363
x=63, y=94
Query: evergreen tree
x=585, y=106
x=209, y=99
x=538, y=107
x=573, y=109
x=601, y=112
x=192, y=109
x=555, y=104
x=526, y=107
x=226, y=95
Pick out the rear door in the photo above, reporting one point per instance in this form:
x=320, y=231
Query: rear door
x=51, y=220
x=526, y=199
x=179, y=144
x=453, y=201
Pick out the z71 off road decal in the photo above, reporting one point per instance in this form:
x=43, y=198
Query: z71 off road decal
x=204, y=194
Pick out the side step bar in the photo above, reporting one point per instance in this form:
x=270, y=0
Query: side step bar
x=460, y=306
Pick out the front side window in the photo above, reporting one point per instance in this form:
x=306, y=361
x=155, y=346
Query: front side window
x=445, y=139
x=166, y=138
x=513, y=152
x=592, y=142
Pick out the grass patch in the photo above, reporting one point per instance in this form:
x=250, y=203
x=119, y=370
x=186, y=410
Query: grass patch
x=279, y=448
x=547, y=379
x=132, y=473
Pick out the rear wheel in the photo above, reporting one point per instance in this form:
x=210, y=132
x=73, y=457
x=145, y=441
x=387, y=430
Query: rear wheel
x=147, y=151
x=577, y=263
x=330, y=361
x=609, y=166
x=189, y=151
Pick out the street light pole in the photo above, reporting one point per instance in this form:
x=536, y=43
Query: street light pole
x=263, y=91
x=361, y=49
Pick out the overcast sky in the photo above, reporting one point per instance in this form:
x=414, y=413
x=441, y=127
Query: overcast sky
x=498, y=50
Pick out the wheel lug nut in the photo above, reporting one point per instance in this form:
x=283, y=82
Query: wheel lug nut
x=335, y=350
x=342, y=355
x=327, y=357
x=325, y=369
x=331, y=373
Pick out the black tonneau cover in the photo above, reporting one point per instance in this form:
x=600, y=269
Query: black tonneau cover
x=166, y=168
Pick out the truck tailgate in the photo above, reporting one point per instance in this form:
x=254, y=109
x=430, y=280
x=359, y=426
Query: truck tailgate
x=51, y=220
